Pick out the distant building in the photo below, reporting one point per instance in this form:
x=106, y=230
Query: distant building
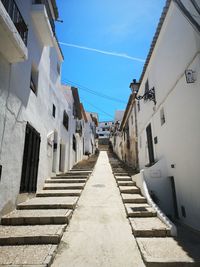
x=118, y=115
x=103, y=130
x=90, y=138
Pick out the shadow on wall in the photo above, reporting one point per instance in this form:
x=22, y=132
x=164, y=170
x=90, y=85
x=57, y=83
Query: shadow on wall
x=159, y=184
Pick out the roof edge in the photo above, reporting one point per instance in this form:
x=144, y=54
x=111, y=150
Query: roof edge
x=155, y=38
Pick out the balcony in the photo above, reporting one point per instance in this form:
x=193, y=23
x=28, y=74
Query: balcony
x=43, y=20
x=13, y=32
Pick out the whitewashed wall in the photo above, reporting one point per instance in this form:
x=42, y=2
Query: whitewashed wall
x=89, y=137
x=177, y=49
x=19, y=105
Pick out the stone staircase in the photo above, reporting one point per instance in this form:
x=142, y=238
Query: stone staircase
x=153, y=236
x=29, y=235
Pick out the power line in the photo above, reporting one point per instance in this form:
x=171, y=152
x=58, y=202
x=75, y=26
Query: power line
x=97, y=108
x=84, y=88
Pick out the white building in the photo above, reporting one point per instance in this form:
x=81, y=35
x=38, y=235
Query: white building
x=90, y=134
x=124, y=136
x=103, y=130
x=40, y=128
x=169, y=126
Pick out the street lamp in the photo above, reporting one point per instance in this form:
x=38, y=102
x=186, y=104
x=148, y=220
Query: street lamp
x=148, y=95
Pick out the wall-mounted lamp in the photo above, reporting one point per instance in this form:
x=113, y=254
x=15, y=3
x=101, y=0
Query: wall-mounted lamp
x=190, y=76
x=148, y=95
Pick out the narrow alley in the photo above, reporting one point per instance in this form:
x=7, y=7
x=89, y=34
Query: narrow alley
x=99, y=233
x=99, y=133
x=94, y=215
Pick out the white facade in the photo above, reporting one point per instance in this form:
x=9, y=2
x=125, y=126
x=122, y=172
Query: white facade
x=76, y=129
x=89, y=135
x=43, y=109
x=124, y=136
x=173, y=175
x=104, y=128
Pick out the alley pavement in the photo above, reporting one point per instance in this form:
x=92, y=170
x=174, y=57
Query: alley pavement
x=92, y=217
x=99, y=233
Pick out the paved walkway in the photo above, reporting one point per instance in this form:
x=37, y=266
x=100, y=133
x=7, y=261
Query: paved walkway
x=99, y=233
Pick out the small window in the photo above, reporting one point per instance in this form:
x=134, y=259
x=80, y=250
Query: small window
x=183, y=211
x=58, y=68
x=74, y=143
x=162, y=116
x=65, y=120
x=132, y=119
x=138, y=106
x=54, y=111
x=34, y=80
x=105, y=123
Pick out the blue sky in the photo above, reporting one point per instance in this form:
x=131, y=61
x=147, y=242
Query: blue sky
x=105, y=43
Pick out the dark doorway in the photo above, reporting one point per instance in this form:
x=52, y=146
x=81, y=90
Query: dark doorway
x=150, y=144
x=174, y=196
x=60, y=158
x=30, y=160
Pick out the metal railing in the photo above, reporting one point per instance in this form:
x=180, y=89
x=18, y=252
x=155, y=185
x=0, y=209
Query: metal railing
x=16, y=16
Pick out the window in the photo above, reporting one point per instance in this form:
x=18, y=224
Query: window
x=150, y=145
x=34, y=80
x=162, y=116
x=65, y=120
x=74, y=143
x=146, y=90
x=58, y=68
x=132, y=119
x=138, y=105
x=54, y=111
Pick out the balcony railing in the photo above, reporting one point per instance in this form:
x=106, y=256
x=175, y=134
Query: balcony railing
x=46, y=3
x=16, y=17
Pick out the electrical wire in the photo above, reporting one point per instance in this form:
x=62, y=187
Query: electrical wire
x=84, y=88
x=97, y=108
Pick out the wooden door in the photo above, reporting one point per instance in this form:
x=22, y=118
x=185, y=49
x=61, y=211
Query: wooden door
x=30, y=160
x=150, y=144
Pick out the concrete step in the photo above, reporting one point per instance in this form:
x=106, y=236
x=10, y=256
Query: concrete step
x=59, y=193
x=64, y=186
x=165, y=252
x=133, y=198
x=49, y=203
x=27, y=255
x=69, y=177
x=70, y=181
x=123, y=178
x=37, y=217
x=80, y=171
x=74, y=174
x=121, y=174
x=31, y=234
x=149, y=227
x=139, y=210
x=129, y=189
x=126, y=183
